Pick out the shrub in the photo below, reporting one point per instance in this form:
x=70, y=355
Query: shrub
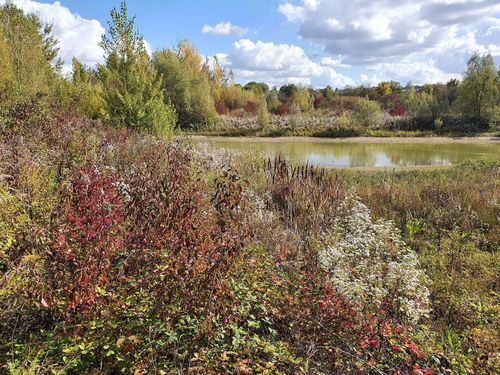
x=370, y=265
x=398, y=109
x=341, y=104
x=344, y=121
x=88, y=236
x=438, y=123
x=234, y=97
x=367, y=113
x=283, y=109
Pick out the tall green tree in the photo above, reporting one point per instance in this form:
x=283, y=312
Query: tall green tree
x=477, y=94
x=302, y=99
x=287, y=90
x=367, y=113
x=132, y=90
x=259, y=88
x=87, y=92
x=417, y=104
x=31, y=49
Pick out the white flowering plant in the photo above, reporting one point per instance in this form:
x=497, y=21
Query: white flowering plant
x=370, y=265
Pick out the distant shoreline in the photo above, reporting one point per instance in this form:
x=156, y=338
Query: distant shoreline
x=429, y=140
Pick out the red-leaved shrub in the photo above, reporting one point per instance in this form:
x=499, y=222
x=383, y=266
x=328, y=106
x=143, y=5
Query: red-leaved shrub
x=88, y=236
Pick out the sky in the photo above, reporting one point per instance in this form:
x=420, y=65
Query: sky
x=307, y=42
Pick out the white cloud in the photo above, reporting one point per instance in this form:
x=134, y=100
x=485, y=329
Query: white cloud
x=78, y=37
x=224, y=28
x=334, y=63
x=430, y=38
x=277, y=64
x=298, y=12
x=292, y=12
x=416, y=71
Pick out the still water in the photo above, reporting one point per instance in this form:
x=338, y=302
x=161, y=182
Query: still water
x=352, y=154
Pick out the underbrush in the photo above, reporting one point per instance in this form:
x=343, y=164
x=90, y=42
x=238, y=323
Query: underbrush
x=123, y=253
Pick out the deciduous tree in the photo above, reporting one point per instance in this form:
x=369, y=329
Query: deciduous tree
x=477, y=94
x=186, y=85
x=132, y=90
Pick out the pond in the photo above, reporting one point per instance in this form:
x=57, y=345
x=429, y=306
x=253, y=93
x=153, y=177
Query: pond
x=366, y=153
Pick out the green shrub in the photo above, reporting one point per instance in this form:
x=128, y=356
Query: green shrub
x=367, y=113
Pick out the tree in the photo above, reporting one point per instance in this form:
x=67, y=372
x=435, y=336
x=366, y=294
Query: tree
x=31, y=49
x=288, y=90
x=87, y=92
x=273, y=101
x=384, y=88
x=477, y=95
x=262, y=113
x=258, y=88
x=216, y=73
x=132, y=91
x=302, y=99
x=452, y=86
x=367, y=112
x=417, y=104
x=186, y=85
x=328, y=92
x=6, y=68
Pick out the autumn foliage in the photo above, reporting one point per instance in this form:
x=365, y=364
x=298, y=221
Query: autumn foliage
x=121, y=252
x=88, y=237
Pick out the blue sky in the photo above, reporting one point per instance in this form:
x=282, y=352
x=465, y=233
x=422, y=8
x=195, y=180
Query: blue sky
x=164, y=22
x=309, y=42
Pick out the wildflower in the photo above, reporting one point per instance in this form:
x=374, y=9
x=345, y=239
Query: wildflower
x=369, y=264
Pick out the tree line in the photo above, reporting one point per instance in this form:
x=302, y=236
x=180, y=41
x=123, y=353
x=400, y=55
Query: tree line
x=176, y=87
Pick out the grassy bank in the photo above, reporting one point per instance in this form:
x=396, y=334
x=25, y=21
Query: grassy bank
x=431, y=140
x=332, y=133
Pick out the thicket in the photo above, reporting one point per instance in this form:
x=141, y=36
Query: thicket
x=120, y=252
x=176, y=88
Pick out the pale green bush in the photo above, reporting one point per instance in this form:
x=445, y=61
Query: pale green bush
x=367, y=113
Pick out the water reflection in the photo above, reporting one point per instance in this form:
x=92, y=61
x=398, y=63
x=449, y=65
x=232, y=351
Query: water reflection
x=349, y=155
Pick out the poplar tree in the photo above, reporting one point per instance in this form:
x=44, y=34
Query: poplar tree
x=5, y=65
x=132, y=90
